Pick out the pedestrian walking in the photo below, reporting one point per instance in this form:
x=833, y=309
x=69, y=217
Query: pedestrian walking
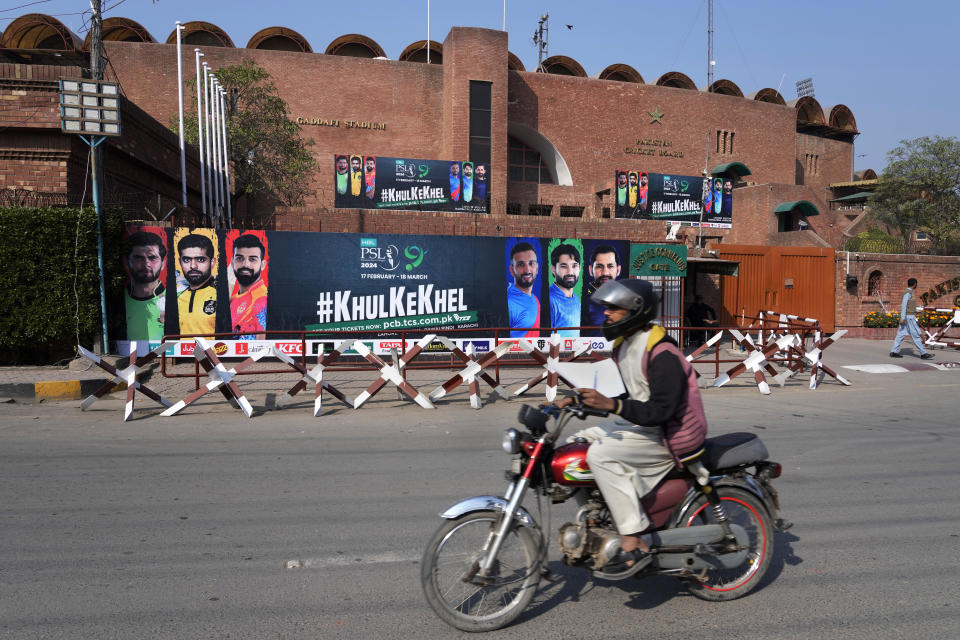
x=908, y=324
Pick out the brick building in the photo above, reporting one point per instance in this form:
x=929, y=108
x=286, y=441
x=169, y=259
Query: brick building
x=554, y=137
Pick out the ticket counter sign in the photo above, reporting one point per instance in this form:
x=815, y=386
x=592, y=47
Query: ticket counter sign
x=668, y=260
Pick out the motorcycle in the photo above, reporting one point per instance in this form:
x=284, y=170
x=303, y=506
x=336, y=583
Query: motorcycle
x=712, y=524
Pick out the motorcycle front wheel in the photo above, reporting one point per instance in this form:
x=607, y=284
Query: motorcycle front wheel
x=744, y=509
x=449, y=578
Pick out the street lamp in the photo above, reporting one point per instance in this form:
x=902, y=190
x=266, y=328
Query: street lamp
x=91, y=109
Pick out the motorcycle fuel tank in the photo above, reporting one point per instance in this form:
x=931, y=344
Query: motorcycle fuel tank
x=569, y=465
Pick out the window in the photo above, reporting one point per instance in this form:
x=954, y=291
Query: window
x=525, y=164
x=874, y=282
x=605, y=212
x=725, y=142
x=787, y=222
x=540, y=209
x=571, y=212
x=480, y=121
x=514, y=209
x=811, y=164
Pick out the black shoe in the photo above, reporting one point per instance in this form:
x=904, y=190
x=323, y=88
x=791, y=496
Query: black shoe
x=618, y=567
x=894, y=354
x=927, y=356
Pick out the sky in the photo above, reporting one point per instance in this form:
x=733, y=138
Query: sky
x=887, y=61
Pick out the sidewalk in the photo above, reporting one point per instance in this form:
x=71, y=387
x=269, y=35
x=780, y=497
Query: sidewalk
x=81, y=377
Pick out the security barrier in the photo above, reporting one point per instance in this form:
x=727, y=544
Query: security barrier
x=780, y=340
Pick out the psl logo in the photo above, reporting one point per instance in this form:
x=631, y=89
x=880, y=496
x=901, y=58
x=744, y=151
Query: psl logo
x=415, y=255
x=386, y=258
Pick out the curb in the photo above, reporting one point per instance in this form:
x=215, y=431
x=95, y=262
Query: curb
x=54, y=390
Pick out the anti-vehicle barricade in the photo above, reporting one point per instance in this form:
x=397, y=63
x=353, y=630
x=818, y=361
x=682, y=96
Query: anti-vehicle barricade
x=785, y=344
x=297, y=343
x=939, y=337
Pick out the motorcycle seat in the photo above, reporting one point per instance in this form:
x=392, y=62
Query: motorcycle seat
x=733, y=450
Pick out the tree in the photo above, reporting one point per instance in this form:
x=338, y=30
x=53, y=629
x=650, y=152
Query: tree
x=269, y=161
x=920, y=191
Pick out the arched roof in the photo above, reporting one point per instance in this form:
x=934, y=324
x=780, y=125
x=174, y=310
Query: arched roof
x=355, y=45
x=768, y=95
x=514, y=63
x=737, y=169
x=121, y=30
x=417, y=52
x=621, y=73
x=842, y=118
x=805, y=207
x=203, y=34
x=563, y=66
x=809, y=111
x=725, y=88
x=39, y=31
x=866, y=174
x=677, y=80
x=279, y=39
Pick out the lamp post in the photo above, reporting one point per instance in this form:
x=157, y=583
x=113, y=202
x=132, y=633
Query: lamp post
x=92, y=110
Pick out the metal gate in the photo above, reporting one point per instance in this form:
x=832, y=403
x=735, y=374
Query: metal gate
x=794, y=280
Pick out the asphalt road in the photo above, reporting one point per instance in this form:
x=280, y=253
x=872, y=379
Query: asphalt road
x=185, y=527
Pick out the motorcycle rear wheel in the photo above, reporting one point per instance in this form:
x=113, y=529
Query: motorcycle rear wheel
x=452, y=554
x=744, y=509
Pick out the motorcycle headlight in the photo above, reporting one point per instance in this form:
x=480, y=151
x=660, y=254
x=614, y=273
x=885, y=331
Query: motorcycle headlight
x=511, y=441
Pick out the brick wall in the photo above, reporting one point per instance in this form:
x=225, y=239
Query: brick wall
x=929, y=271
x=36, y=156
x=425, y=109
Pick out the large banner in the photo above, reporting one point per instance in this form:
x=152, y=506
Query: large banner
x=691, y=200
x=380, y=182
x=248, y=285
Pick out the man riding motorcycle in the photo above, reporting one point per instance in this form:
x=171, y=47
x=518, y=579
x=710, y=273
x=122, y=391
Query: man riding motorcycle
x=660, y=420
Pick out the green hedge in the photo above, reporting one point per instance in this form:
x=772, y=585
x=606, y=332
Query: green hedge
x=49, y=263
x=874, y=241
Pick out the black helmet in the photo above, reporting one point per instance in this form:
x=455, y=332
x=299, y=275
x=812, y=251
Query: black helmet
x=636, y=296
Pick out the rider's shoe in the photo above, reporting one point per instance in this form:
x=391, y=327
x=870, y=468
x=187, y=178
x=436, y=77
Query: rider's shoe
x=618, y=567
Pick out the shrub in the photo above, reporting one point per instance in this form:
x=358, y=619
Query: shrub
x=50, y=285
x=878, y=319
x=933, y=318
x=874, y=241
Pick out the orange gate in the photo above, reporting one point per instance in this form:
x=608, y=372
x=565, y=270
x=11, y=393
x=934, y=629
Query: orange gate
x=793, y=280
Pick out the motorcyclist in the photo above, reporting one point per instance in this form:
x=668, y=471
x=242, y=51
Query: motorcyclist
x=659, y=421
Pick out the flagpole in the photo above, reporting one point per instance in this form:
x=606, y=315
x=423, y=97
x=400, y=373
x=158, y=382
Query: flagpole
x=183, y=150
x=203, y=182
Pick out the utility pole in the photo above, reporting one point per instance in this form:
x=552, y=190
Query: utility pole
x=96, y=71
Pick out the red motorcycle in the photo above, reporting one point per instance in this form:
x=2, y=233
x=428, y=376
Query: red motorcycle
x=712, y=524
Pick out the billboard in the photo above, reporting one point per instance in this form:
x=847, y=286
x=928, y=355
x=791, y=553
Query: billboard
x=691, y=200
x=381, y=182
x=248, y=285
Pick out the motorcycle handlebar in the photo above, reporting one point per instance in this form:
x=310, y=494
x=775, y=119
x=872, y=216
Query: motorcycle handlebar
x=535, y=419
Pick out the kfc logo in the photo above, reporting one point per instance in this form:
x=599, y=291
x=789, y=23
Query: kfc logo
x=290, y=348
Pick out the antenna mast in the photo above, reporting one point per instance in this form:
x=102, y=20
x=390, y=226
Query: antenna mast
x=540, y=37
x=710, y=61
